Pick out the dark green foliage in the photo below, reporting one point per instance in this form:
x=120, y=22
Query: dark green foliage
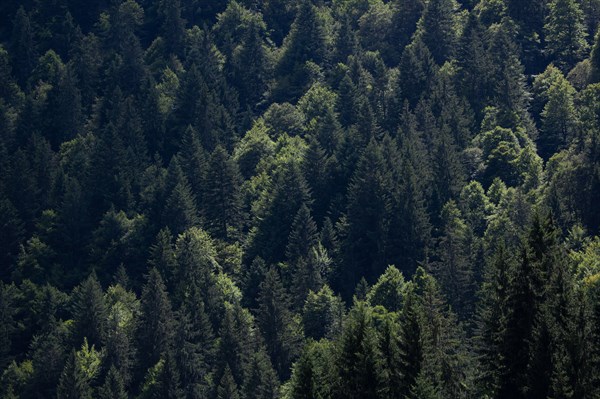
x=361, y=374
x=305, y=43
x=437, y=27
x=113, y=387
x=155, y=326
x=565, y=33
x=262, y=188
x=275, y=322
x=89, y=311
x=222, y=199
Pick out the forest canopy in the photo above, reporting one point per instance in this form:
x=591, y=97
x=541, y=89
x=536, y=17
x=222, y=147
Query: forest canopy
x=333, y=199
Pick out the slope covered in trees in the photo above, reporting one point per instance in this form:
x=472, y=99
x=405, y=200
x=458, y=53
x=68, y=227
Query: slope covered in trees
x=299, y=199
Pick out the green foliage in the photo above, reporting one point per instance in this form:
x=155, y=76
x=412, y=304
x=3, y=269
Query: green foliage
x=232, y=171
x=565, y=33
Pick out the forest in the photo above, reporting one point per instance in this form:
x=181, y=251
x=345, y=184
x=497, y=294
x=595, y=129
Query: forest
x=299, y=199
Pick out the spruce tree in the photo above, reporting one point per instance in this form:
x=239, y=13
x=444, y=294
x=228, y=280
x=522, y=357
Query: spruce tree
x=360, y=369
x=155, y=325
x=222, y=197
x=437, y=28
x=367, y=218
x=227, y=387
x=113, y=387
x=89, y=312
x=274, y=319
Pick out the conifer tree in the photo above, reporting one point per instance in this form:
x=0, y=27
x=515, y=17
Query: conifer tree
x=155, y=326
x=227, y=387
x=565, y=33
x=162, y=257
x=453, y=270
x=558, y=119
x=438, y=30
x=595, y=61
x=361, y=373
x=180, y=211
x=302, y=240
x=113, y=387
x=193, y=160
x=22, y=46
x=274, y=319
x=288, y=194
x=305, y=43
x=222, y=198
x=89, y=312
x=367, y=217
x=261, y=381
x=194, y=346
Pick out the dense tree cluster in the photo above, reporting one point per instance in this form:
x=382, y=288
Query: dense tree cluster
x=299, y=199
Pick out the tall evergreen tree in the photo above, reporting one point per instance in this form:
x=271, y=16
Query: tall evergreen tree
x=155, y=326
x=565, y=33
x=274, y=319
x=89, y=312
x=361, y=373
x=222, y=197
x=438, y=28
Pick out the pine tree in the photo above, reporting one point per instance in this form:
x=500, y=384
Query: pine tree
x=417, y=67
x=236, y=343
x=492, y=316
x=80, y=370
x=173, y=26
x=167, y=383
x=251, y=68
x=392, y=364
x=8, y=310
x=194, y=346
x=303, y=378
x=410, y=344
x=73, y=384
x=509, y=92
x=595, y=60
x=406, y=15
x=322, y=314
x=12, y=233
x=288, y=193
